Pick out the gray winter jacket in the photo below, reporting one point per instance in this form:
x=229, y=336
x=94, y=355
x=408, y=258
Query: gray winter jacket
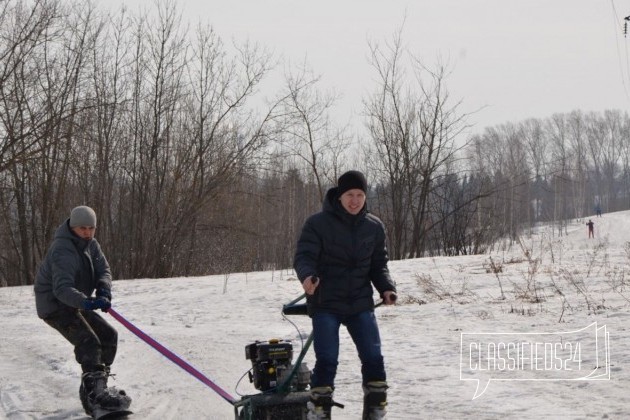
x=70, y=272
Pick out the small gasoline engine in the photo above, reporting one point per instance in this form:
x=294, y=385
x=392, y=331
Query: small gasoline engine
x=271, y=366
x=283, y=385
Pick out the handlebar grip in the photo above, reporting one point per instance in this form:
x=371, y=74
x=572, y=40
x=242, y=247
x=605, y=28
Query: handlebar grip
x=299, y=309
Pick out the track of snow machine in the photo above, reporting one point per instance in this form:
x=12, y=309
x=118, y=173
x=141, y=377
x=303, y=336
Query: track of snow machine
x=283, y=384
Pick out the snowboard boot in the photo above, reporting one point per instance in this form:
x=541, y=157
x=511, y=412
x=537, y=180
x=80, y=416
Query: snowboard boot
x=92, y=384
x=94, y=392
x=320, y=405
x=374, y=400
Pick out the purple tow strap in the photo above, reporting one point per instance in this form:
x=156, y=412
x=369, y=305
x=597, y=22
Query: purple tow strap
x=172, y=356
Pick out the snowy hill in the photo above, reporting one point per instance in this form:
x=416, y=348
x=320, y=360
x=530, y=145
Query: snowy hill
x=550, y=284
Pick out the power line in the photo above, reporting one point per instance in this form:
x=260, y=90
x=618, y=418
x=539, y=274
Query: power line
x=625, y=73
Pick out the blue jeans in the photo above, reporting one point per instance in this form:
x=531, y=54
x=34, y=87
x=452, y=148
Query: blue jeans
x=364, y=332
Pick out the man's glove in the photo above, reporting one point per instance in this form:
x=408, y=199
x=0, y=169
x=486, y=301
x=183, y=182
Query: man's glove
x=101, y=302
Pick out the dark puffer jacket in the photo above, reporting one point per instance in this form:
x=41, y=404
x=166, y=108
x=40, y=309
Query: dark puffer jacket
x=348, y=253
x=70, y=272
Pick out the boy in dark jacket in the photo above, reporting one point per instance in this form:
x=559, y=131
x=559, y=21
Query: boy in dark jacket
x=72, y=270
x=341, y=254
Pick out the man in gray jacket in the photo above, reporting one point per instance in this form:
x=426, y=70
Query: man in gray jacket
x=73, y=269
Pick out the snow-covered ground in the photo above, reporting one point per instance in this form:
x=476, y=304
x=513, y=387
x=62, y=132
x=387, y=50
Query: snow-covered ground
x=550, y=284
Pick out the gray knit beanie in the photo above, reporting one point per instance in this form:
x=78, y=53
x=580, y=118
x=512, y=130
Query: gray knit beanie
x=82, y=216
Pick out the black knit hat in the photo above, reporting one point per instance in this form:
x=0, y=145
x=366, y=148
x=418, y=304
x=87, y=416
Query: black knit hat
x=351, y=180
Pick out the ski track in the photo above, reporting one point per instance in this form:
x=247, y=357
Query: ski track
x=56, y=378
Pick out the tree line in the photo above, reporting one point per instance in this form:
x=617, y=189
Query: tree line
x=163, y=130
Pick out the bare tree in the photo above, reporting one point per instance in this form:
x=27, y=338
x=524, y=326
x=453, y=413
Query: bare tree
x=311, y=135
x=42, y=96
x=536, y=149
x=413, y=126
x=24, y=31
x=579, y=167
x=611, y=154
x=224, y=137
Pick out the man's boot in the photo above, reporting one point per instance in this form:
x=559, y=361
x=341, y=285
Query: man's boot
x=374, y=400
x=320, y=405
x=95, y=392
x=92, y=384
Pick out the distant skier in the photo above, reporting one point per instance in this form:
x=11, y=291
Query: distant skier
x=72, y=270
x=598, y=210
x=591, y=230
x=340, y=254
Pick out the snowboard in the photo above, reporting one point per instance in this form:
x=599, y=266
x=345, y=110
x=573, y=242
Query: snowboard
x=99, y=413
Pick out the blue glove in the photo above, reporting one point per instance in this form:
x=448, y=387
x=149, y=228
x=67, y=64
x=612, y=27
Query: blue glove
x=106, y=293
x=101, y=302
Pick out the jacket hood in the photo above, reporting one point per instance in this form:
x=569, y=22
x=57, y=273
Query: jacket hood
x=64, y=232
x=333, y=205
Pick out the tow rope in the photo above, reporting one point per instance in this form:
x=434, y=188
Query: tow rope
x=172, y=356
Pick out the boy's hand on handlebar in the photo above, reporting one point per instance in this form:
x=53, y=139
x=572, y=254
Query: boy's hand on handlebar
x=389, y=297
x=310, y=284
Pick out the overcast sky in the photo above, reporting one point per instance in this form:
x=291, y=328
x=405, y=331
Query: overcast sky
x=510, y=59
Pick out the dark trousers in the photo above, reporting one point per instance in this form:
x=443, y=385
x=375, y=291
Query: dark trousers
x=94, y=340
x=363, y=329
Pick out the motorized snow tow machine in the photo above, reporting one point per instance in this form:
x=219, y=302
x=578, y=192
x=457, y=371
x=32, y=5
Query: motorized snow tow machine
x=283, y=384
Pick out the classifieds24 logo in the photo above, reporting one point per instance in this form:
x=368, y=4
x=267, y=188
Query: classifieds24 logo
x=572, y=355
